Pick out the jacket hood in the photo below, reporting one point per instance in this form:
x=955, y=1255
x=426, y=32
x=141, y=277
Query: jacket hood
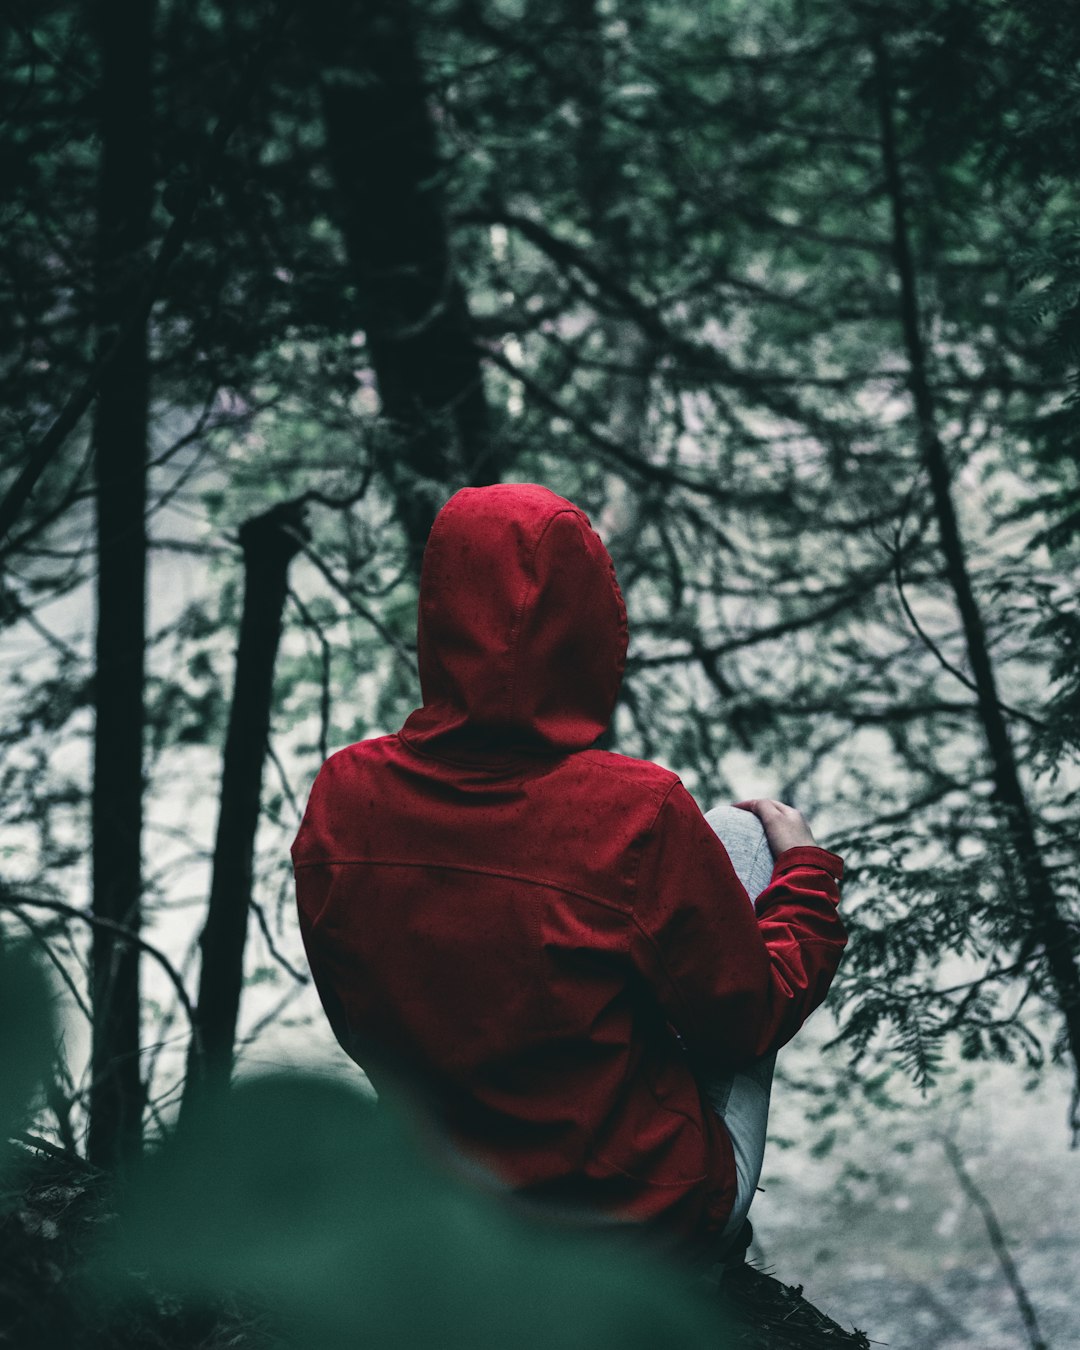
x=521, y=631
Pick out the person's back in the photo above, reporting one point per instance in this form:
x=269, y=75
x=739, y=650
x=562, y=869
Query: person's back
x=548, y=937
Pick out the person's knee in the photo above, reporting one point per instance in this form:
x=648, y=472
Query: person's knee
x=732, y=822
x=743, y=837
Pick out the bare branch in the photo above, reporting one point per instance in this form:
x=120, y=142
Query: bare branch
x=313, y=626
x=10, y=900
x=997, y=1241
x=283, y=962
x=943, y=661
x=348, y=594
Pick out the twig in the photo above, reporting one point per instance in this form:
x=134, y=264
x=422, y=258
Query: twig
x=13, y=902
x=260, y=915
x=23, y=611
x=269, y=1017
x=843, y=603
x=65, y=975
x=997, y=1241
x=165, y=1024
x=313, y=626
x=60, y=1097
x=942, y=659
x=349, y=596
x=612, y=449
x=56, y=1151
x=283, y=778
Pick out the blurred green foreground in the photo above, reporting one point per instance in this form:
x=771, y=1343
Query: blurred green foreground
x=296, y=1214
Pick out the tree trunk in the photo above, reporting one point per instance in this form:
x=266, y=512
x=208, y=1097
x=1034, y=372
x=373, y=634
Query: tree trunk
x=411, y=306
x=1048, y=924
x=119, y=440
x=269, y=542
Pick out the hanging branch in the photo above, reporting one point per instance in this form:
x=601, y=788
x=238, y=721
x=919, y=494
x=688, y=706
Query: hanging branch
x=997, y=1241
x=12, y=901
x=1049, y=924
x=313, y=626
x=942, y=660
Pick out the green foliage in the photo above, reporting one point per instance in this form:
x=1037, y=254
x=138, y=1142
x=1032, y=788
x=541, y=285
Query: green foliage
x=302, y=1196
x=26, y=1040
x=327, y=1218
x=671, y=225
x=1058, y=739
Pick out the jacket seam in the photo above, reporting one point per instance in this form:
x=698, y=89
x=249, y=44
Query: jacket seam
x=641, y=851
x=817, y=942
x=645, y=1181
x=462, y=867
x=673, y=984
x=632, y=914
x=515, y=632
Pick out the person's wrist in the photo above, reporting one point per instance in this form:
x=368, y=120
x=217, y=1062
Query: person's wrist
x=808, y=855
x=786, y=839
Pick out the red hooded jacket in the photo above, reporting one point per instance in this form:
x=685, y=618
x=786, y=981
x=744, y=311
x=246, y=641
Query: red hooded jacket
x=520, y=922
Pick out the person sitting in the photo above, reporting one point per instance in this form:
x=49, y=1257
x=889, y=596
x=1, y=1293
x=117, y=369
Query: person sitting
x=548, y=939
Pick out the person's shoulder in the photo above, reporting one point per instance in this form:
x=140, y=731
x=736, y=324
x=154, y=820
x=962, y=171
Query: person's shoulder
x=350, y=758
x=343, y=778
x=643, y=775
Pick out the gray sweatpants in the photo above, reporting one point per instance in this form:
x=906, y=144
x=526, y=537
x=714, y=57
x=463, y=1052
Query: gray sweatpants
x=741, y=1099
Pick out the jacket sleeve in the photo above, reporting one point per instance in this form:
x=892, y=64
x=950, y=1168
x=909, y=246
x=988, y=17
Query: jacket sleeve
x=734, y=983
x=316, y=878
x=307, y=882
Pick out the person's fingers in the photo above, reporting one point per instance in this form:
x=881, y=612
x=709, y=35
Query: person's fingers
x=785, y=826
x=759, y=804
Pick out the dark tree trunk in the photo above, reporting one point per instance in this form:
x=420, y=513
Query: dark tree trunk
x=132, y=320
x=269, y=542
x=119, y=438
x=383, y=155
x=1048, y=925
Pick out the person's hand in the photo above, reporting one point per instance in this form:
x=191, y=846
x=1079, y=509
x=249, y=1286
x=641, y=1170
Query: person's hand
x=784, y=826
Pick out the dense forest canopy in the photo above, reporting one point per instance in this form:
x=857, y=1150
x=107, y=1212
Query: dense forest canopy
x=784, y=294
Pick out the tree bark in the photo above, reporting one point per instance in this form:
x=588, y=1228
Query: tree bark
x=269, y=543
x=383, y=155
x=119, y=441
x=1048, y=923
x=140, y=300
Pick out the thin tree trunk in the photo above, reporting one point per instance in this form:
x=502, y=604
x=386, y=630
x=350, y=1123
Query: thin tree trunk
x=1049, y=925
x=133, y=320
x=119, y=440
x=383, y=154
x=269, y=542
